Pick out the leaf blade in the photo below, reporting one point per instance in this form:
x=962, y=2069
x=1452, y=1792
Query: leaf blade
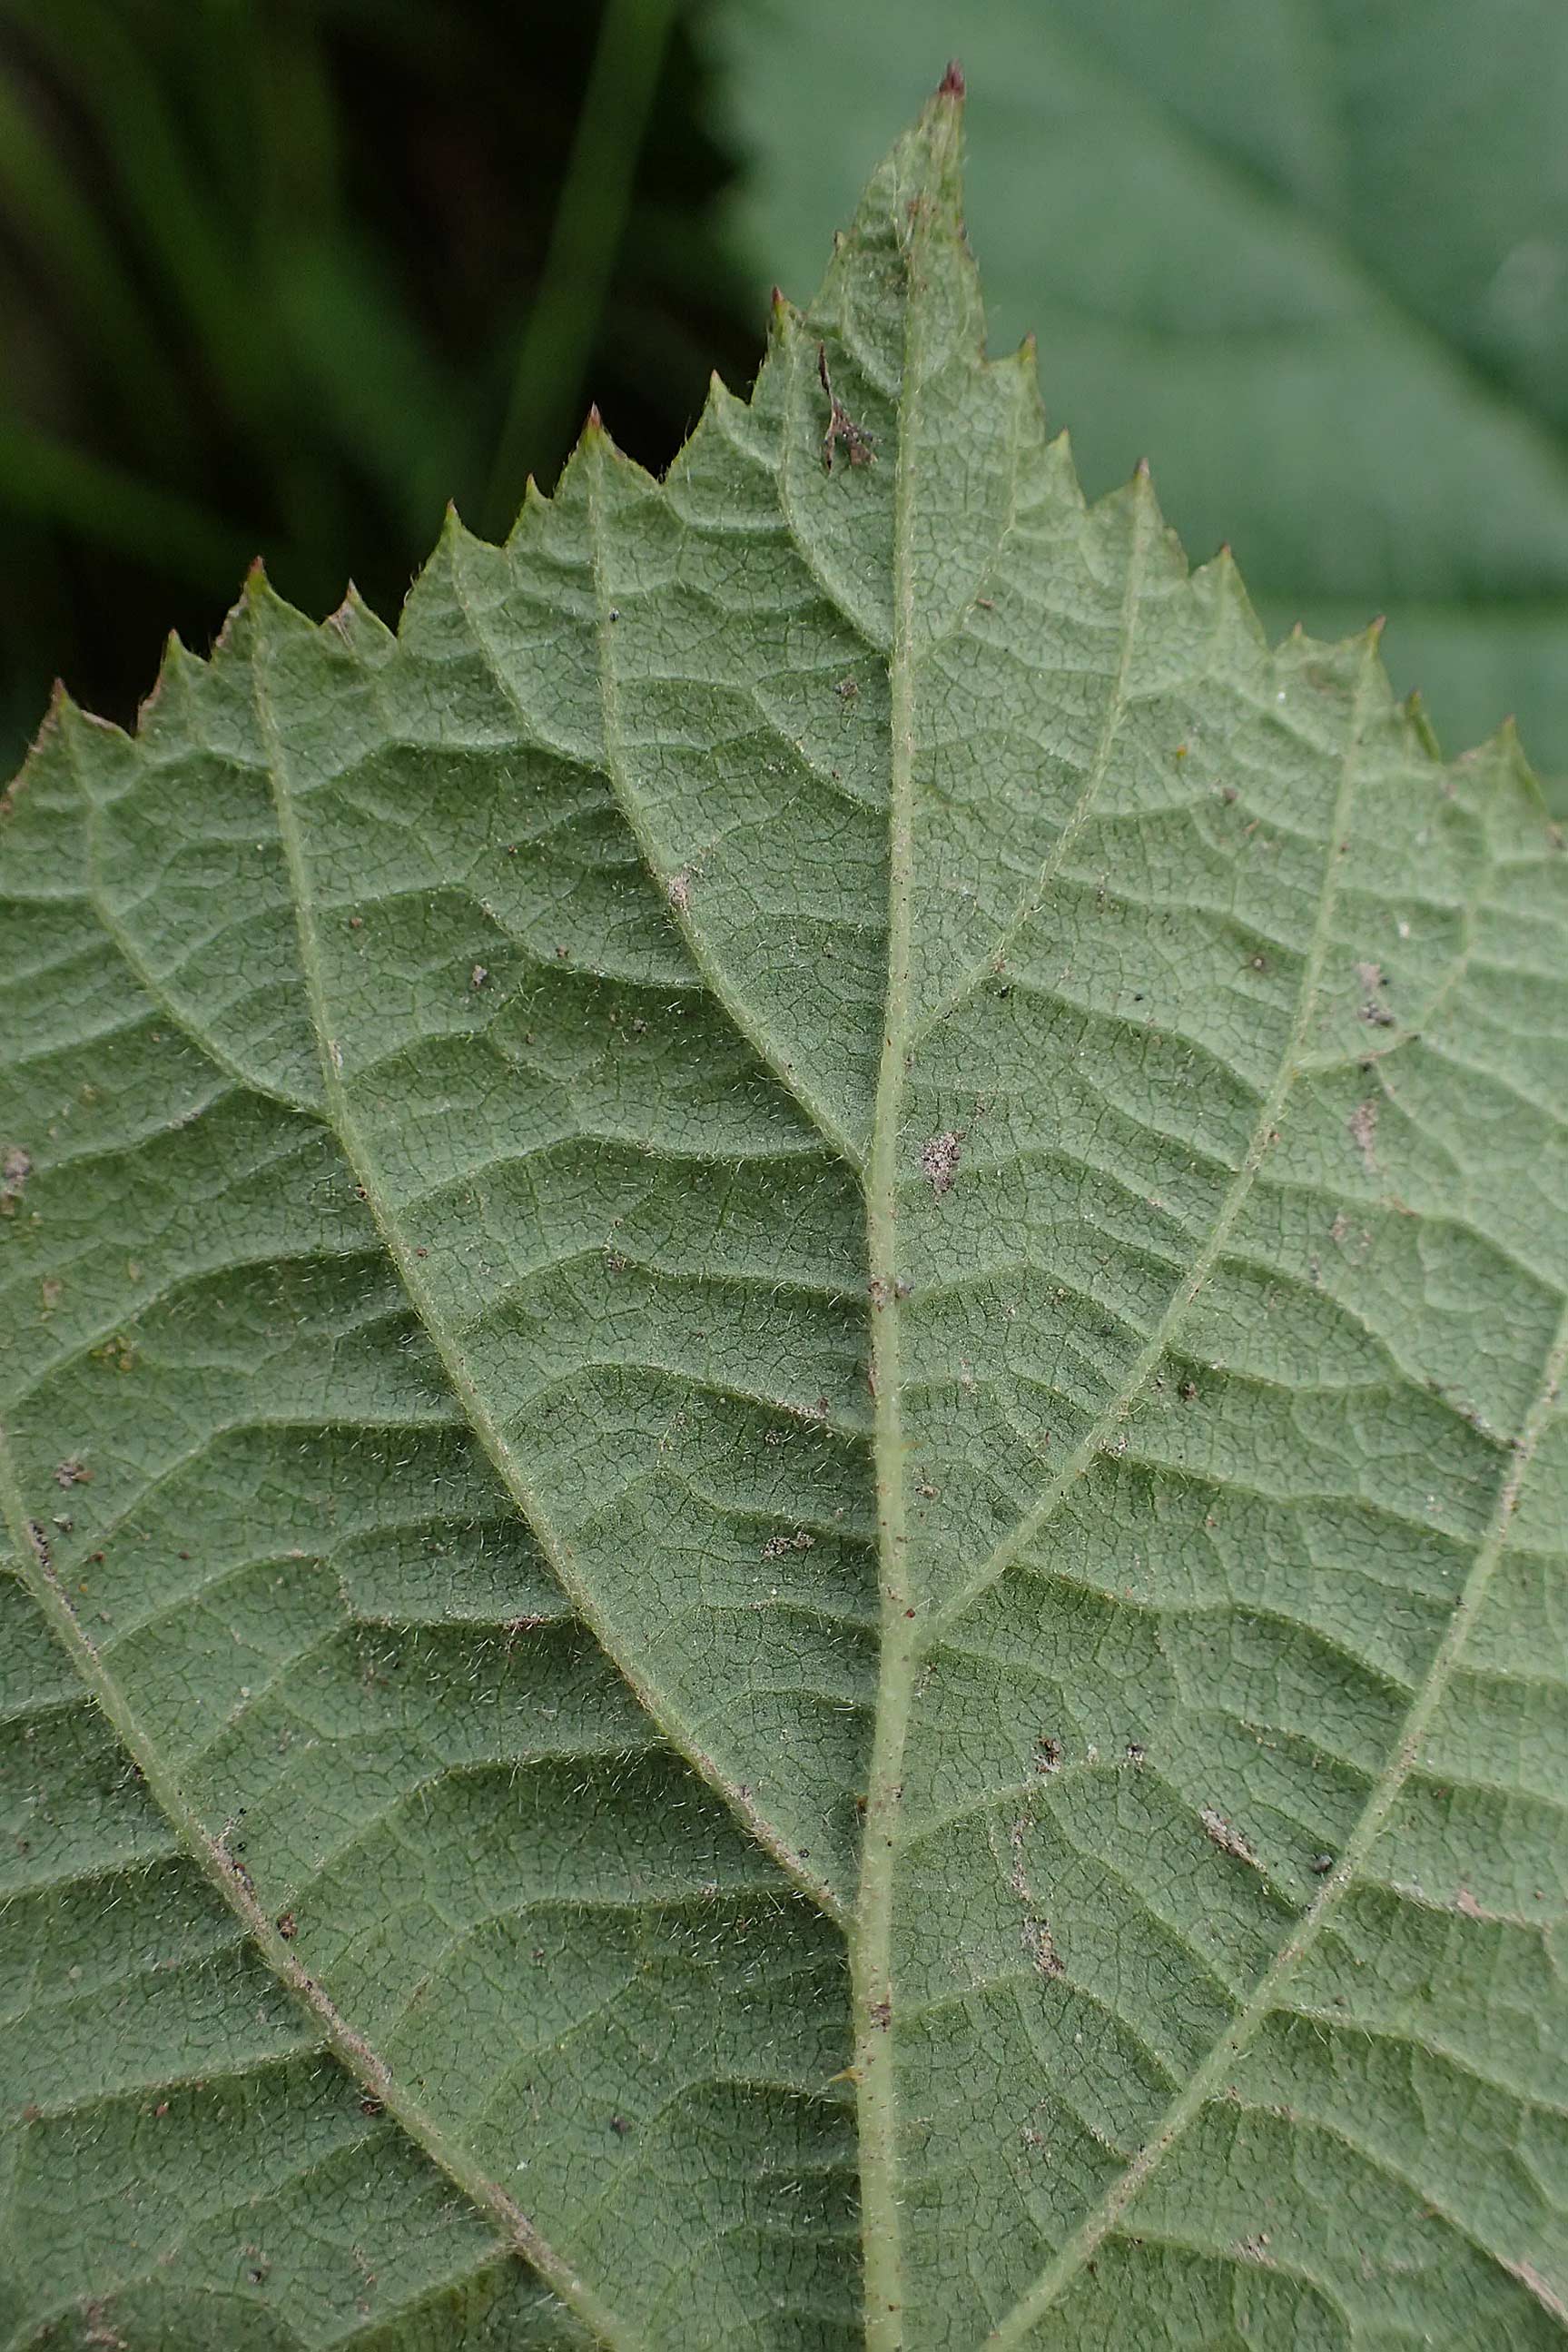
x=1187, y=1183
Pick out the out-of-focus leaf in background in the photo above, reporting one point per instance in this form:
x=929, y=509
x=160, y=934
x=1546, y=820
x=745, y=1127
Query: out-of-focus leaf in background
x=1311, y=259
x=285, y=276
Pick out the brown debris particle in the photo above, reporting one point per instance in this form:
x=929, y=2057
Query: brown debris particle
x=72, y=1474
x=678, y=890
x=939, y=1160
x=1047, y=1753
x=1220, y=1833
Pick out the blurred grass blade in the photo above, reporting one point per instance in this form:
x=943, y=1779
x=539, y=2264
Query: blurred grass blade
x=176, y=225
x=47, y=479
x=588, y=225
x=59, y=229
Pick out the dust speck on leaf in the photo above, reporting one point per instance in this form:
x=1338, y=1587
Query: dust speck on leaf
x=72, y=1472
x=1363, y=1124
x=939, y=1159
x=679, y=890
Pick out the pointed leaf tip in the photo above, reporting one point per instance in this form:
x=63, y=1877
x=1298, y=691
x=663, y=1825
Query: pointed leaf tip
x=952, y=83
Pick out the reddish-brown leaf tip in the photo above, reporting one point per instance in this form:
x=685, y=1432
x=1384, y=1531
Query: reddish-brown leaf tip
x=952, y=83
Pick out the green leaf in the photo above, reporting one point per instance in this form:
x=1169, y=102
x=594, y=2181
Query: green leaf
x=782, y=1434
x=1313, y=263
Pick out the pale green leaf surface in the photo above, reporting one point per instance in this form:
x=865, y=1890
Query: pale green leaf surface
x=1311, y=261
x=784, y=1326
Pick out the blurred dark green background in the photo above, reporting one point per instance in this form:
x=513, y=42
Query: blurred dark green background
x=283, y=276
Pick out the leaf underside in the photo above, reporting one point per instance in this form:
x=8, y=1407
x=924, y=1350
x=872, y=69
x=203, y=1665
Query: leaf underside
x=782, y=1435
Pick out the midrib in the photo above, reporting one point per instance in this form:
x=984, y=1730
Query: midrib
x=872, y=1937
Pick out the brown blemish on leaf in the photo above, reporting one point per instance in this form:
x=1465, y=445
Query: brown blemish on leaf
x=1545, y=2294
x=1220, y=1832
x=776, y=1545
x=72, y=1474
x=1034, y=1933
x=1373, y=988
x=1363, y=1124
x=1040, y=1945
x=860, y=446
x=678, y=889
x=939, y=1160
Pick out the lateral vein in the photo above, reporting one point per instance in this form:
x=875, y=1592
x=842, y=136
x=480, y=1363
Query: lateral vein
x=1081, y=2248
x=483, y=1421
x=218, y=1867
x=1005, y=1552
